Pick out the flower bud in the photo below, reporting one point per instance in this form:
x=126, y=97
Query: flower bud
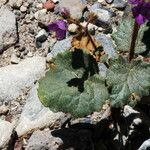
x=64, y=12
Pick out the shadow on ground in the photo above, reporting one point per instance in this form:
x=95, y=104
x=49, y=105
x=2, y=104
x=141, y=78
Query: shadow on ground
x=86, y=136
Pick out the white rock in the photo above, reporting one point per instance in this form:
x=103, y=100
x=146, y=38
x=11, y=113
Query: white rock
x=49, y=57
x=23, y=9
x=137, y=121
x=40, y=13
x=91, y=26
x=145, y=145
x=15, y=78
x=30, y=54
x=72, y=28
x=35, y=115
x=14, y=59
x=6, y=129
x=8, y=31
x=26, y=4
x=129, y=110
x=15, y=3
x=41, y=33
x=3, y=109
x=39, y=6
x=100, y=1
x=100, y=29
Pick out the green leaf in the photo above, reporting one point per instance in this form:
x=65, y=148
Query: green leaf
x=124, y=33
x=128, y=81
x=54, y=92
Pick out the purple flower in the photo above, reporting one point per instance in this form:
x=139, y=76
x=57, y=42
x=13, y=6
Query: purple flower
x=60, y=27
x=141, y=11
x=134, y=2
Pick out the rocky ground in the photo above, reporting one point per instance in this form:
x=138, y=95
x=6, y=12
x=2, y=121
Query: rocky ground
x=25, y=50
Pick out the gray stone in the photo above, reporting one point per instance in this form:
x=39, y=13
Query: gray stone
x=15, y=78
x=8, y=31
x=61, y=46
x=107, y=44
x=6, y=129
x=43, y=140
x=103, y=15
x=119, y=4
x=35, y=115
x=75, y=7
x=65, y=138
x=41, y=36
x=95, y=6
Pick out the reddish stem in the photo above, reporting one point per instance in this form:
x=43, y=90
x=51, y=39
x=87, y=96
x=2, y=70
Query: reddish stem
x=133, y=40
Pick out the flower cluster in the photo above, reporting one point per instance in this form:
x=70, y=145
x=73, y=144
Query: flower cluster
x=141, y=10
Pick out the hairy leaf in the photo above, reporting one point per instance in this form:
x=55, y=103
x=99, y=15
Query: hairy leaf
x=54, y=92
x=123, y=36
x=128, y=81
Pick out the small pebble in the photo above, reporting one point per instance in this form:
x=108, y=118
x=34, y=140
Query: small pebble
x=22, y=55
x=25, y=52
x=18, y=54
x=14, y=59
x=91, y=27
x=21, y=49
x=26, y=4
x=100, y=29
x=38, y=44
x=3, y=110
x=39, y=6
x=40, y=13
x=109, y=1
x=30, y=54
x=23, y=9
x=41, y=36
x=49, y=57
x=100, y=1
x=31, y=31
x=137, y=121
x=72, y=28
x=49, y=5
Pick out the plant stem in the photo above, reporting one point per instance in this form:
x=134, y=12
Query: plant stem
x=85, y=30
x=133, y=40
